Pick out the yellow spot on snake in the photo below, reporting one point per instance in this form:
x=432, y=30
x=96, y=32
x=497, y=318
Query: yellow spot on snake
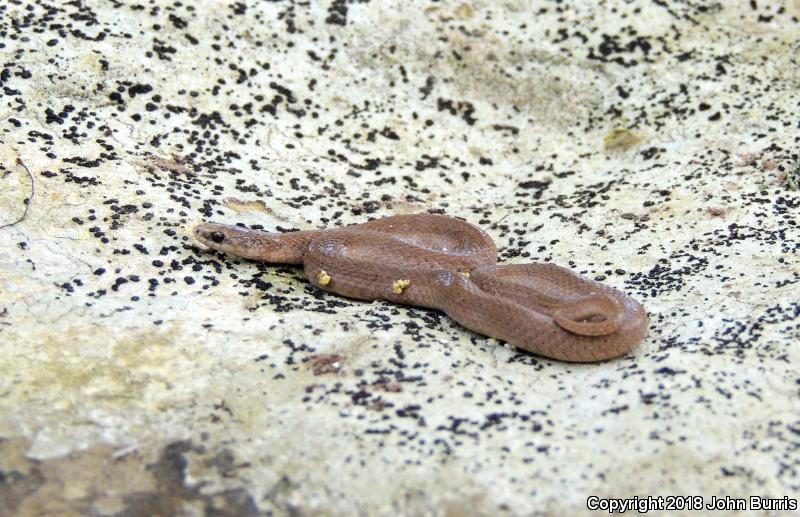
x=323, y=278
x=465, y=273
x=399, y=285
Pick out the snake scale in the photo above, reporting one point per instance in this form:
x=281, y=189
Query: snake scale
x=444, y=263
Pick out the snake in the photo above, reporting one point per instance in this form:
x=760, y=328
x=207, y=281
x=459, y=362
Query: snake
x=444, y=263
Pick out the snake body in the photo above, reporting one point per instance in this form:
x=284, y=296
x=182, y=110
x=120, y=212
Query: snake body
x=447, y=264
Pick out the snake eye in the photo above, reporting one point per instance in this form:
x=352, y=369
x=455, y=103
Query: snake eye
x=217, y=237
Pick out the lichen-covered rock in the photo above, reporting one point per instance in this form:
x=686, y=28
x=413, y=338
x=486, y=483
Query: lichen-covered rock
x=651, y=145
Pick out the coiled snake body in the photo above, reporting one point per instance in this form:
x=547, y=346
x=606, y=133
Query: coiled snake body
x=444, y=263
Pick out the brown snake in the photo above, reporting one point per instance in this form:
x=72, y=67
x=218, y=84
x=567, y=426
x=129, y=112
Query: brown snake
x=448, y=264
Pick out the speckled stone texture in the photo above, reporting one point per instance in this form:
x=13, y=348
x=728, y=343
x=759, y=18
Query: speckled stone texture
x=649, y=144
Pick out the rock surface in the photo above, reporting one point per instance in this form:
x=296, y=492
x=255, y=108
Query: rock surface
x=651, y=145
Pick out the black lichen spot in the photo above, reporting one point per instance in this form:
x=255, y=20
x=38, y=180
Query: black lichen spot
x=337, y=13
x=466, y=109
x=539, y=187
x=139, y=89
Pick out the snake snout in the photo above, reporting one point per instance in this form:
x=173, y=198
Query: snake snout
x=217, y=236
x=208, y=232
x=594, y=316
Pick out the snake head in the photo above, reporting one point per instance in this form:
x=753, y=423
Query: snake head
x=281, y=248
x=235, y=240
x=221, y=237
x=595, y=315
